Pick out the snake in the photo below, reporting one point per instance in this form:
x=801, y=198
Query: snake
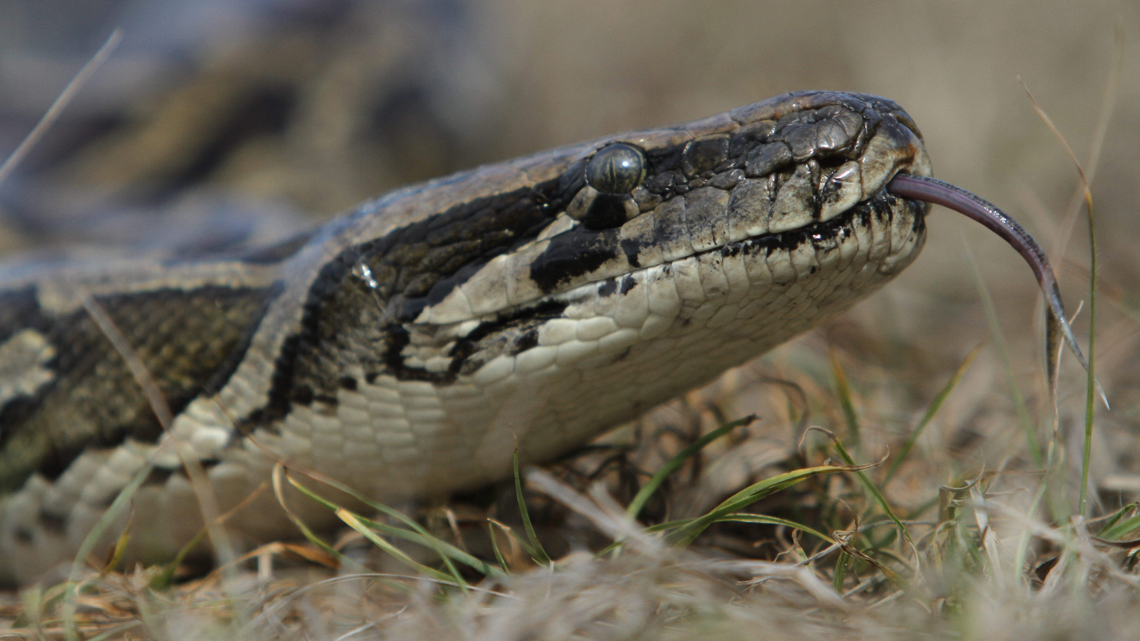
x=412, y=347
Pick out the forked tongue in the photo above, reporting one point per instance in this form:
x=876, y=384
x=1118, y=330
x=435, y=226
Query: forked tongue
x=1057, y=327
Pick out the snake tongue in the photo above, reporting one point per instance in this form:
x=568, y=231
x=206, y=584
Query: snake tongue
x=953, y=197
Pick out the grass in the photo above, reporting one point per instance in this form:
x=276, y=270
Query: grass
x=813, y=542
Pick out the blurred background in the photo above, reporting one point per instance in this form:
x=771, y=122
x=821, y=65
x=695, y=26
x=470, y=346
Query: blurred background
x=213, y=114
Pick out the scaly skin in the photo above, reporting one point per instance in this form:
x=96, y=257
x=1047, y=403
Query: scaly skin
x=406, y=347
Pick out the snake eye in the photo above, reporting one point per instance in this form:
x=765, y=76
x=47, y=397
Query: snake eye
x=616, y=169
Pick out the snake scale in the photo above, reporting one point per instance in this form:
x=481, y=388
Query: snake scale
x=406, y=347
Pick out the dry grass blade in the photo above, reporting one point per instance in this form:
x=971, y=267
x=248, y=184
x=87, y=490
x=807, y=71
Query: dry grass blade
x=197, y=476
x=1093, y=386
x=165, y=578
x=69, y=92
x=203, y=491
x=602, y=512
x=798, y=573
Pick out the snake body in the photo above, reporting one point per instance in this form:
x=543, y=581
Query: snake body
x=407, y=346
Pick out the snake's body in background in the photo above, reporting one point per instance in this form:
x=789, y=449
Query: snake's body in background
x=408, y=346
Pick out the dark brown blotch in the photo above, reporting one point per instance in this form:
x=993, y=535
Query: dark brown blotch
x=704, y=155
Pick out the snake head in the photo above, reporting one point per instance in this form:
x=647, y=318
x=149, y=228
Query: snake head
x=776, y=174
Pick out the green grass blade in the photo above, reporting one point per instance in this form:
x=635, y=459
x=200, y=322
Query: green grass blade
x=495, y=546
x=447, y=551
x=651, y=486
x=165, y=578
x=309, y=535
x=843, y=390
x=841, y=565
x=1116, y=517
x=931, y=410
x=416, y=534
x=873, y=491
x=763, y=519
x=1003, y=353
x=1090, y=373
x=121, y=502
x=379, y=507
x=398, y=554
x=687, y=533
x=540, y=555
x=1120, y=528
